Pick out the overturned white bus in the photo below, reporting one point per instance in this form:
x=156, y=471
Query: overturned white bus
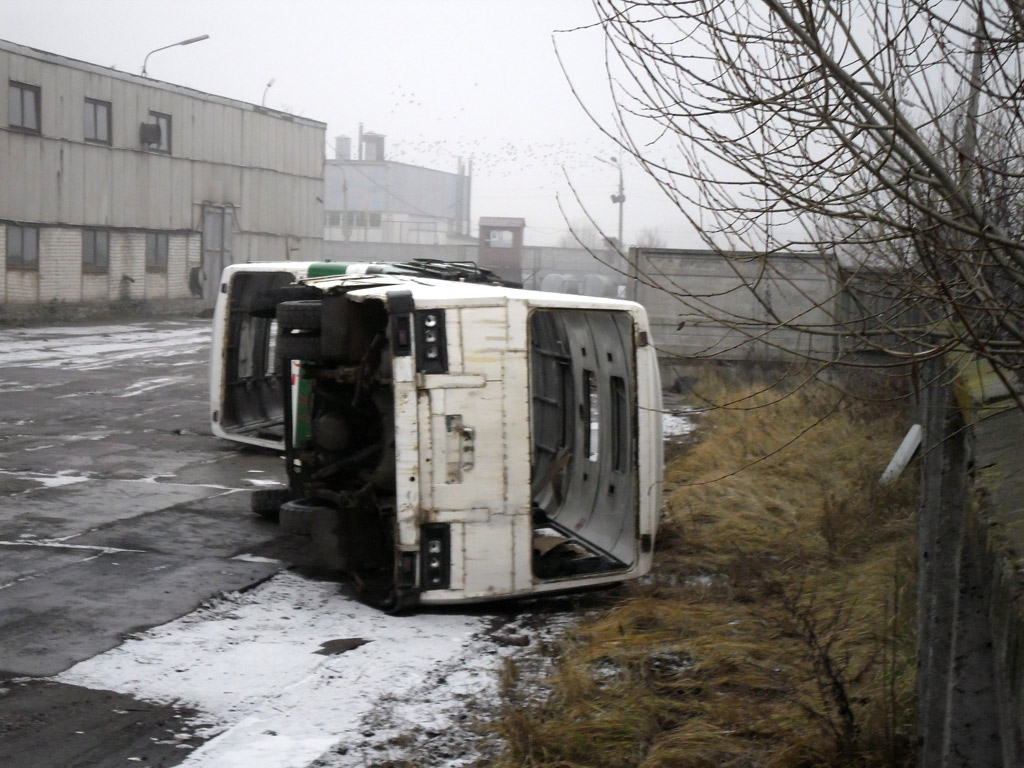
x=447, y=438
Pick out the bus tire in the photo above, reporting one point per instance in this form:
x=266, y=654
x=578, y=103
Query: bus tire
x=264, y=302
x=299, y=315
x=266, y=502
x=299, y=346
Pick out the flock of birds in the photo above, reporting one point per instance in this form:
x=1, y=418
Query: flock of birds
x=510, y=165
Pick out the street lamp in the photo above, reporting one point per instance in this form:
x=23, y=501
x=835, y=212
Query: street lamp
x=263, y=101
x=172, y=45
x=620, y=198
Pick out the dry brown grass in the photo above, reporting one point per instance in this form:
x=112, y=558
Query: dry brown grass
x=777, y=629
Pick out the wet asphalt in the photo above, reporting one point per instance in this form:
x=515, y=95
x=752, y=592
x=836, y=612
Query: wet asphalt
x=118, y=512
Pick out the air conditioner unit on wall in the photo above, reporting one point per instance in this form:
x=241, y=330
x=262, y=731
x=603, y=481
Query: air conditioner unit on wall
x=149, y=133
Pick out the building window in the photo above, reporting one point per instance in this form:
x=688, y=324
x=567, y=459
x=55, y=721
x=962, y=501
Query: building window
x=156, y=252
x=23, y=107
x=164, y=122
x=362, y=219
x=22, y=247
x=333, y=218
x=95, y=250
x=97, y=121
x=500, y=238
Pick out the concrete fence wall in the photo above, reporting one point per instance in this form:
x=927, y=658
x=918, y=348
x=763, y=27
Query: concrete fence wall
x=740, y=307
x=564, y=270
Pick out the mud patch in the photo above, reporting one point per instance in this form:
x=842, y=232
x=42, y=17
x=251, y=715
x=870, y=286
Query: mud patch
x=334, y=647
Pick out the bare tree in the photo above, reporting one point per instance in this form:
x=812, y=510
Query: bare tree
x=581, y=235
x=887, y=139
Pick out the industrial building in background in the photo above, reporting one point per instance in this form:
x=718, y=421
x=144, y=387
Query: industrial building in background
x=370, y=199
x=120, y=188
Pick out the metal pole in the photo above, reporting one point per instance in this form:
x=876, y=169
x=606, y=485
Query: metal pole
x=620, y=198
x=622, y=203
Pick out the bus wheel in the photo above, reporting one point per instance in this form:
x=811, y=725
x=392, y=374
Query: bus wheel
x=266, y=502
x=299, y=315
x=299, y=346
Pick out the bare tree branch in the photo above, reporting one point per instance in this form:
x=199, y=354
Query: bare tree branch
x=884, y=141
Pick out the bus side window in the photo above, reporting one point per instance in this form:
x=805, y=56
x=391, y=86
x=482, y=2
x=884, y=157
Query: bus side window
x=592, y=435
x=620, y=425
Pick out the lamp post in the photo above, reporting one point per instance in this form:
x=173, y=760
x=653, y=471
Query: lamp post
x=172, y=45
x=620, y=198
x=263, y=101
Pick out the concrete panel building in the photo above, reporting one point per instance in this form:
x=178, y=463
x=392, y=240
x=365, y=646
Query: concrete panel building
x=370, y=199
x=117, y=187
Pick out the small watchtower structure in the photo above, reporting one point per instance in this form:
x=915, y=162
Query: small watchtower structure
x=501, y=246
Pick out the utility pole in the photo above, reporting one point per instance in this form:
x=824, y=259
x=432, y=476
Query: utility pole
x=620, y=198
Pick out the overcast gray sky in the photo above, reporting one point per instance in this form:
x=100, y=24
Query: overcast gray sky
x=442, y=79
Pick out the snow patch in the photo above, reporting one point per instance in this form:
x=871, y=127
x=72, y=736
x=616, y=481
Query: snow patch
x=52, y=348
x=148, y=385
x=676, y=424
x=59, y=544
x=249, y=663
x=64, y=477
